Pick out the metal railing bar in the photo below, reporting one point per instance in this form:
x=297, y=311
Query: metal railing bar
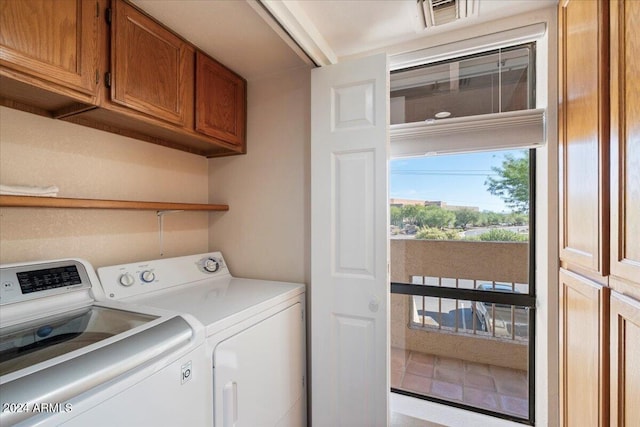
x=494, y=297
x=456, y=312
x=440, y=305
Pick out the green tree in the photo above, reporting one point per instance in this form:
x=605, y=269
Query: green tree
x=395, y=214
x=517, y=219
x=410, y=213
x=437, y=217
x=465, y=217
x=512, y=183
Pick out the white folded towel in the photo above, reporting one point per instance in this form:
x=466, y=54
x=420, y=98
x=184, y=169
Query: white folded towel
x=26, y=190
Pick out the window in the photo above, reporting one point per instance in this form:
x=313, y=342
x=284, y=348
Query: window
x=492, y=82
x=463, y=291
x=462, y=257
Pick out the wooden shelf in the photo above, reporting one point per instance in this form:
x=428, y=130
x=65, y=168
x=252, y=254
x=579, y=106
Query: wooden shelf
x=61, y=202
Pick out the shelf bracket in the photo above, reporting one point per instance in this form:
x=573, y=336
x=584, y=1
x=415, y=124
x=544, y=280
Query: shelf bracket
x=160, y=215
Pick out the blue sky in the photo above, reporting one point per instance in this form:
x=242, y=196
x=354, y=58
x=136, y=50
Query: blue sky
x=455, y=179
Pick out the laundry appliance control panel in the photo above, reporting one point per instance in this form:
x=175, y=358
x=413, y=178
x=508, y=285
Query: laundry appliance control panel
x=128, y=280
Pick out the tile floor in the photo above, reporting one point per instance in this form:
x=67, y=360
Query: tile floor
x=486, y=386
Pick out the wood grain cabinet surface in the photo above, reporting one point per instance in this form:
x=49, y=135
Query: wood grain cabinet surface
x=625, y=143
x=221, y=101
x=583, y=134
x=599, y=140
x=625, y=355
x=55, y=42
x=152, y=68
x=108, y=65
x=584, y=321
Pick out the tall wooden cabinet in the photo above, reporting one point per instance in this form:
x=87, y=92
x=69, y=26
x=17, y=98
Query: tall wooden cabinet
x=599, y=139
x=625, y=213
x=583, y=334
x=625, y=141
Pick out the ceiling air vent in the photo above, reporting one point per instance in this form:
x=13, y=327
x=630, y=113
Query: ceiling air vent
x=439, y=12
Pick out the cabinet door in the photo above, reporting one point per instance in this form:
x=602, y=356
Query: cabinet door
x=56, y=41
x=625, y=141
x=221, y=101
x=152, y=67
x=625, y=369
x=583, y=351
x=584, y=134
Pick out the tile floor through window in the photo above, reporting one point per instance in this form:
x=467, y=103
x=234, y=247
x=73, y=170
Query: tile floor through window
x=490, y=387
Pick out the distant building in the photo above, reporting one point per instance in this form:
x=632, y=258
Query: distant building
x=403, y=202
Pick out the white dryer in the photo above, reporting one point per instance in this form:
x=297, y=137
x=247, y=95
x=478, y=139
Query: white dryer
x=255, y=332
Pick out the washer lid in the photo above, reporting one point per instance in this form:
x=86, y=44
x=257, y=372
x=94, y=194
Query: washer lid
x=39, y=340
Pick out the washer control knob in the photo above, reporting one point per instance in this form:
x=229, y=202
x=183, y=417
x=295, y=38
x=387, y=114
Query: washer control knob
x=210, y=265
x=148, y=276
x=126, y=279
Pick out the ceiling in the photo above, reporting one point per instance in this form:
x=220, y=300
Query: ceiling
x=244, y=36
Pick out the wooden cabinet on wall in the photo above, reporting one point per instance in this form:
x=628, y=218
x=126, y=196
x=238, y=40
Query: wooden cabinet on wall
x=583, y=135
x=54, y=45
x=53, y=60
x=221, y=96
x=599, y=138
x=151, y=68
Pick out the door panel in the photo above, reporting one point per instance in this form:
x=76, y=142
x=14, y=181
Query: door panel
x=220, y=101
x=152, y=67
x=625, y=141
x=625, y=370
x=349, y=246
x=583, y=351
x=259, y=374
x=56, y=41
x=583, y=134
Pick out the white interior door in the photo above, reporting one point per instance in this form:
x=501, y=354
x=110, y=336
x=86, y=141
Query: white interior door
x=349, y=245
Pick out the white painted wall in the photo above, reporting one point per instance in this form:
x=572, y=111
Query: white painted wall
x=88, y=163
x=266, y=233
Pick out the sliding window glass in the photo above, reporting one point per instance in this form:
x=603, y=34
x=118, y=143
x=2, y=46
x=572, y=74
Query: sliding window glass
x=492, y=82
x=463, y=300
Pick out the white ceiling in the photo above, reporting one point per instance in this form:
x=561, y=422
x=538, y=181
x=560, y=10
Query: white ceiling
x=240, y=34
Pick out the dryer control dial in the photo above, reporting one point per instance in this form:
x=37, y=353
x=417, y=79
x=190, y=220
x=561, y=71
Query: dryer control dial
x=126, y=279
x=147, y=276
x=210, y=265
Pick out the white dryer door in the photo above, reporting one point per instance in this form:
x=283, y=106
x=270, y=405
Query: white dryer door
x=259, y=374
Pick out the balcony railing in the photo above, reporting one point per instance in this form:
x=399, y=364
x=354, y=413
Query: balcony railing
x=452, y=294
x=489, y=320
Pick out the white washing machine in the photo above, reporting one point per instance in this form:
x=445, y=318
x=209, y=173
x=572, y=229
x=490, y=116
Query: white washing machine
x=255, y=332
x=67, y=360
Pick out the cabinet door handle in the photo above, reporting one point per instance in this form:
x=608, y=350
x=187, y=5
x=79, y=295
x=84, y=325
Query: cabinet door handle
x=230, y=404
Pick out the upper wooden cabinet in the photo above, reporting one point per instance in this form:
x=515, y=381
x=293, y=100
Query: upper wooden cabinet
x=56, y=42
x=625, y=142
x=108, y=65
x=151, y=68
x=584, y=134
x=221, y=101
